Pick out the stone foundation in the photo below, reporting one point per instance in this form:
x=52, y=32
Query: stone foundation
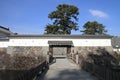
x=21, y=57
x=17, y=58
x=3, y=50
x=27, y=50
x=4, y=58
x=84, y=53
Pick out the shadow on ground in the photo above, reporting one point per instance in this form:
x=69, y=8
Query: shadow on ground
x=10, y=74
x=68, y=75
x=40, y=76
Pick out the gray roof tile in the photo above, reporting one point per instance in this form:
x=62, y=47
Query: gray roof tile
x=63, y=36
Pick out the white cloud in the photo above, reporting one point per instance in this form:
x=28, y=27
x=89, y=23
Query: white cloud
x=98, y=13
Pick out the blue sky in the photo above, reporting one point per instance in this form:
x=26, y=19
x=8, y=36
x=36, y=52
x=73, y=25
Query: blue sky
x=31, y=16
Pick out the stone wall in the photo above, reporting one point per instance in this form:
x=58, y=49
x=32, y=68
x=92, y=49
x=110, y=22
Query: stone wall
x=59, y=50
x=4, y=58
x=3, y=50
x=17, y=58
x=27, y=51
x=21, y=57
x=28, y=57
x=93, y=54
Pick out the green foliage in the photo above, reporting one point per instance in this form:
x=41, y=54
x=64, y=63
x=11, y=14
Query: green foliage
x=93, y=28
x=65, y=18
x=51, y=29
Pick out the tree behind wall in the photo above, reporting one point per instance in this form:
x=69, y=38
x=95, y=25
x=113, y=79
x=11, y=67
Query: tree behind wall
x=65, y=18
x=93, y=28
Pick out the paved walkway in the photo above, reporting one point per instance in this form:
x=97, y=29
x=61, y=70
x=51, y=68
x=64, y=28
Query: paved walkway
x=63, y=69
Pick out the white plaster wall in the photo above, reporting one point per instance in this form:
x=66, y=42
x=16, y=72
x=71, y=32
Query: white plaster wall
x=92, y=42
x=28, y=42
x=44, y=42
x=4, y=44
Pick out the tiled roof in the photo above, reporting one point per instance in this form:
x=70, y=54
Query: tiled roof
x=60, y=42
x=5, y=30
x=62, y=36
x=4, y=39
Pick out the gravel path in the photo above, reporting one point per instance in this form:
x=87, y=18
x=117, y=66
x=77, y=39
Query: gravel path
x=64, y=69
